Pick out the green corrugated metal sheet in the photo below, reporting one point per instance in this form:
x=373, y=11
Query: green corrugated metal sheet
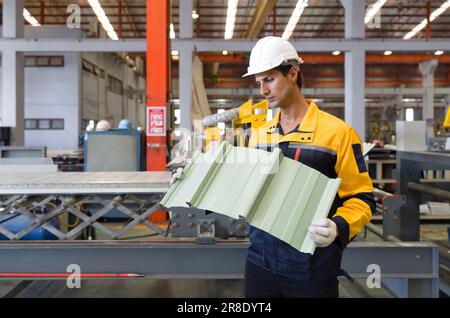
x=274, y=193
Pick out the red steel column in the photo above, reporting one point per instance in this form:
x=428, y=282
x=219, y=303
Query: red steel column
x=157, y=83
x=120, y=20
x=42, y=13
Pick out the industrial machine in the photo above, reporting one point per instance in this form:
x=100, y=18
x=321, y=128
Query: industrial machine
x=104, y=150
x=243, y=119
x=442, y=142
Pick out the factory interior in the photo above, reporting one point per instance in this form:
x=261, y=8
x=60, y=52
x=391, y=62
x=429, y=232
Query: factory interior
x=103, y=101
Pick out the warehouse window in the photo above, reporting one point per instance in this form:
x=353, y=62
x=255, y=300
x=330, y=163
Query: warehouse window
x=130, y=93
x=57, y=124
x=92, y=69
x=44, y=61
x=44, y=124
x=114, y=85
x=31, y=124
x=88, y=66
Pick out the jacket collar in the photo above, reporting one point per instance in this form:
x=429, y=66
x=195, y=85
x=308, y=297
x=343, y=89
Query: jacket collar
x=308, y=123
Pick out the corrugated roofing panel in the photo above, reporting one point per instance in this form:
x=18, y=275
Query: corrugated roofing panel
x=274, y=193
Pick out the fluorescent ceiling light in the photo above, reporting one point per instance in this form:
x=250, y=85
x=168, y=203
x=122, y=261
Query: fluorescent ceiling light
x=99, y=12
x=373, y=10
x=424, y=22
x=336, y=52
x=387, y=52
x=113, y=35
x=30, y=19
x=231, y=18
x=296, y=14
x=108, y=27
x=439, y=52
x=103, y=19
x=175, y=55
x=171, y=31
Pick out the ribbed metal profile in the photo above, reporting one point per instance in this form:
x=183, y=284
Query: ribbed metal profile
x=274, y=193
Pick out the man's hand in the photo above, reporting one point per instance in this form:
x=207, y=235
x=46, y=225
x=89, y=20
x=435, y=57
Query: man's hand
x=323, y=232
x=176, y=176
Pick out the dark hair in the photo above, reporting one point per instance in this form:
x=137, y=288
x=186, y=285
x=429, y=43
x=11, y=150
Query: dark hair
x=284, y=69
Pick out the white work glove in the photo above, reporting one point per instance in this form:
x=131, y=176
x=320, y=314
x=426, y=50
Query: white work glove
x=176, y=176
x=323, y=232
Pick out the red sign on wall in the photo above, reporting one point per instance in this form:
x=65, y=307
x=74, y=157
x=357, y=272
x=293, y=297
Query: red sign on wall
x=156, y=121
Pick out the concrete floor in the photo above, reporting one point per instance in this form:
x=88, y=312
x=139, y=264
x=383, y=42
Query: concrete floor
x=182, y=288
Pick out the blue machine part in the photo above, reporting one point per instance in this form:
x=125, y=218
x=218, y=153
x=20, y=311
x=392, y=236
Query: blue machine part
x=16, y=224
x=103, y=150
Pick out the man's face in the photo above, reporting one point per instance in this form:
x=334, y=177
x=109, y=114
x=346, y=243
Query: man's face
x=275, y=87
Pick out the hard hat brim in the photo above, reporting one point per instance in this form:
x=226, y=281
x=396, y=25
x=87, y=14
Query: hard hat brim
x=254, y=72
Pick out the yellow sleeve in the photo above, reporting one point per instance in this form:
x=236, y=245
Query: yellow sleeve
x=356, y=189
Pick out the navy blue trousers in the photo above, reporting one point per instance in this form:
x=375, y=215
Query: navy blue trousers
x=261, y=283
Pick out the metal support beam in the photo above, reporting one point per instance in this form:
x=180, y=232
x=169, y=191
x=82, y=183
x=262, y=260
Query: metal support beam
x=354, y=65
x=355, y=110
x=214, y=45
x=186, y=57
x=156, y=259
x=410, y=167
x=415, y=263
x=13, y=22
x=354, y=18
x=12, y=106
x=427, y=70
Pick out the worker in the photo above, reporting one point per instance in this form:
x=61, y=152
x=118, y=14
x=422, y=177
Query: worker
x=125, y=124
x=90, y=126
x=103, y=125
x=323, y=142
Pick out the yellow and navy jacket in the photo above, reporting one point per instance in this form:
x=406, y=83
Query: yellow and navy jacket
x=331, y=146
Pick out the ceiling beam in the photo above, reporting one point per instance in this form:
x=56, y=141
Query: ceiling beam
x=320, y=45
x=208, y=45
x=262, y=11
x=311, y=58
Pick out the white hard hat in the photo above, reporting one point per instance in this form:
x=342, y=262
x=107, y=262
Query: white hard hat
x=103, y=125
x=270, y=52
